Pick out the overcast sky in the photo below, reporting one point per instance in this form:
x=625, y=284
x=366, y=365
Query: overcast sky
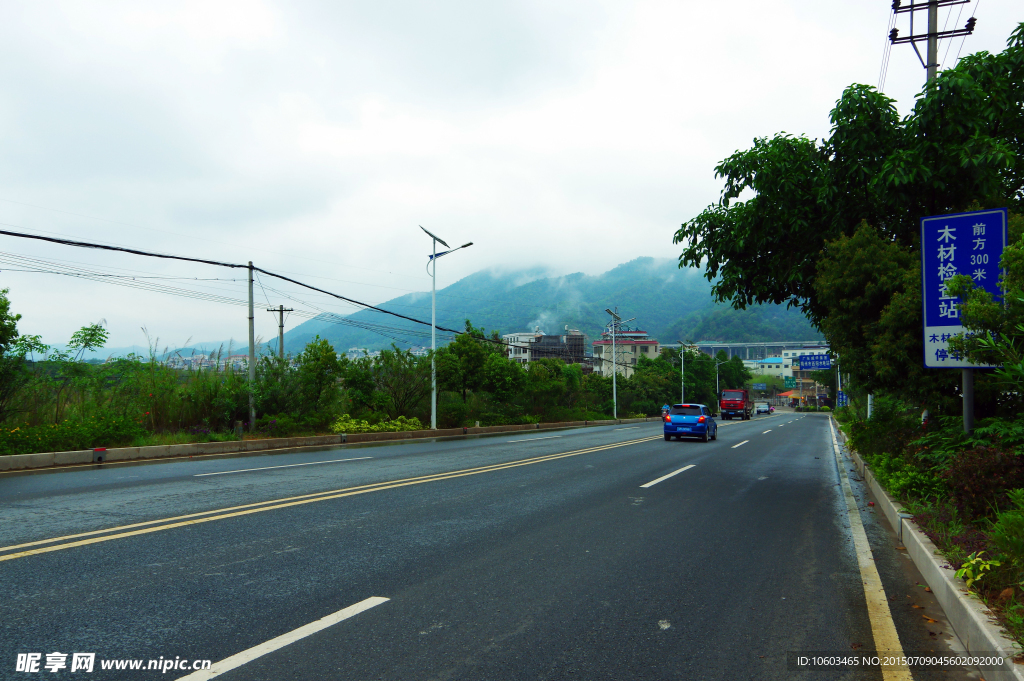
x=313, y=137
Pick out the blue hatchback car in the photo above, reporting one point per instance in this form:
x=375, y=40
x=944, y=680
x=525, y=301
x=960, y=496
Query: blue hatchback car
x=690, y=420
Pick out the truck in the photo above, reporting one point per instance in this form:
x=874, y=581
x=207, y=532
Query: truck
x=736, y=403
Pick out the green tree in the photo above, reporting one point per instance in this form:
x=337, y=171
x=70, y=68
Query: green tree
x=402, y=380
x=460, y=364
x=13, y=374
x=319, y=375
x=794, y=240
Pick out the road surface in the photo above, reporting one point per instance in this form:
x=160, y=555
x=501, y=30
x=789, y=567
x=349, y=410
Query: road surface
x=597, y=553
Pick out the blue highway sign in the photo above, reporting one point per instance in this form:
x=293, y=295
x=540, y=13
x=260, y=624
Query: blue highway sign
x=961, y=243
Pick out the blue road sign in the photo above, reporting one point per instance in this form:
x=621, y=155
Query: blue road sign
x=961, y=243
x=815, y=362
x=842, y=400
x=759, y=386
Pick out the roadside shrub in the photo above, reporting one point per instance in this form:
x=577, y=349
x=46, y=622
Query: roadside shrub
x=979, y=479
x=825, y=408
x=891, y=426
x=645, y=408
x=71, y=434
x=347, y=424
x=1007, y=532
x=844, y=414
x=905, y=479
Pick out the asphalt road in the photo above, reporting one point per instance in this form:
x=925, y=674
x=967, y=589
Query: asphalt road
x=526, y=556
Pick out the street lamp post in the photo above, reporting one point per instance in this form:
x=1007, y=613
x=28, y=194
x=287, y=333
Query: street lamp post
x=616, y=320
x=682, y=372
x=432, y=268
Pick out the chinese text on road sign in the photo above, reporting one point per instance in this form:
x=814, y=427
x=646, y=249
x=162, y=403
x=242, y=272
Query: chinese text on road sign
x=963, y=243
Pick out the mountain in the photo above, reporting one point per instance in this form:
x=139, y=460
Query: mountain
x=667, y=302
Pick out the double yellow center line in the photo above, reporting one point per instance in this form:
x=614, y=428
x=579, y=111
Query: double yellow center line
x=123, y=531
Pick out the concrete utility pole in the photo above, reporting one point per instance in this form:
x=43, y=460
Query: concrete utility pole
x=252, y=355
x=931, y=71
x=932, y=67
x=280, y=310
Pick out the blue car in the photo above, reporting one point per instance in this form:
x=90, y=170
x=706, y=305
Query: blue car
x=690, y=420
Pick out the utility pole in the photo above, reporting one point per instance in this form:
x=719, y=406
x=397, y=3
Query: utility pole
x=933, y=36
x=252, y=356
x=931, y=70
x=280, y=310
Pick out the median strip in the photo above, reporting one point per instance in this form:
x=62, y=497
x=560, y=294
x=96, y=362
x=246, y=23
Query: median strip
x=247, y=509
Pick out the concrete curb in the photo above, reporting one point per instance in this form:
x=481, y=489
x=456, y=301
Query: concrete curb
x=16, y=462
x=973, y=623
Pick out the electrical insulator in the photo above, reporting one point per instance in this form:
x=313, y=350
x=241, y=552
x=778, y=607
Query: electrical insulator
x=895, y=5
x=970, y=24
x=892, y=35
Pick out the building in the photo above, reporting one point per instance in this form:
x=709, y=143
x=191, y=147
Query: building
x=630, y=345
x=526, y=346
x=787, y=366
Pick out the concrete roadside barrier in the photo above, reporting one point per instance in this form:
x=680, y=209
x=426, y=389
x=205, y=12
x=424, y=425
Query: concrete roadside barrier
x=17, y=462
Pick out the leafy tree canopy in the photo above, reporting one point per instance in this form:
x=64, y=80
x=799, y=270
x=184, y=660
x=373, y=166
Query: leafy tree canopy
x=787, y=197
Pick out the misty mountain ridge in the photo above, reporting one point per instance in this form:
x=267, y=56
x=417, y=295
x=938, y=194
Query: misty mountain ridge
x=668, y=302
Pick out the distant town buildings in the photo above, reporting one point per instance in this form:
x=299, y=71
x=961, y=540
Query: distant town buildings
x=527, y=346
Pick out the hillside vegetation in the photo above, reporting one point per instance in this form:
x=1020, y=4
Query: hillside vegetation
x=668, y=302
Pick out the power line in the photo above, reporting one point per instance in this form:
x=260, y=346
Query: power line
x=950, y=44
x=153, y=286
x=164, y=231
x=975, y=11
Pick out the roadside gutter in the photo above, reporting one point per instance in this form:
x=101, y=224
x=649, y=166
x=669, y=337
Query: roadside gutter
x=974, y=624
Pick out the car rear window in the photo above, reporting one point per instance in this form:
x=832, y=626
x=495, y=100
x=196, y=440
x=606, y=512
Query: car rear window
x=686, y=411
x=727, y=395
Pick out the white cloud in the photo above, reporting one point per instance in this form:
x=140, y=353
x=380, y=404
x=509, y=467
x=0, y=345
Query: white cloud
x=313, y=137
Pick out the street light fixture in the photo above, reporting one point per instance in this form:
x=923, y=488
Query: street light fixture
x=432, y=270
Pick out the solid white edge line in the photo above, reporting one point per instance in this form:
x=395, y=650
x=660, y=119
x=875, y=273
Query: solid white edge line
x=652, y=483
x=237, y=660
x=530, y=439
x=290, y=465
x=883, y=629
x=741, y=443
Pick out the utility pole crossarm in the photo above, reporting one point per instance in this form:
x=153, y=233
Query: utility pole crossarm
x=952, y=33
x=280, y=310
x=933, y=36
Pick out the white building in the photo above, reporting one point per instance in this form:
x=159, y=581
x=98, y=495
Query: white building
x=786, y=365
x=630, y=345
x=519, y=345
